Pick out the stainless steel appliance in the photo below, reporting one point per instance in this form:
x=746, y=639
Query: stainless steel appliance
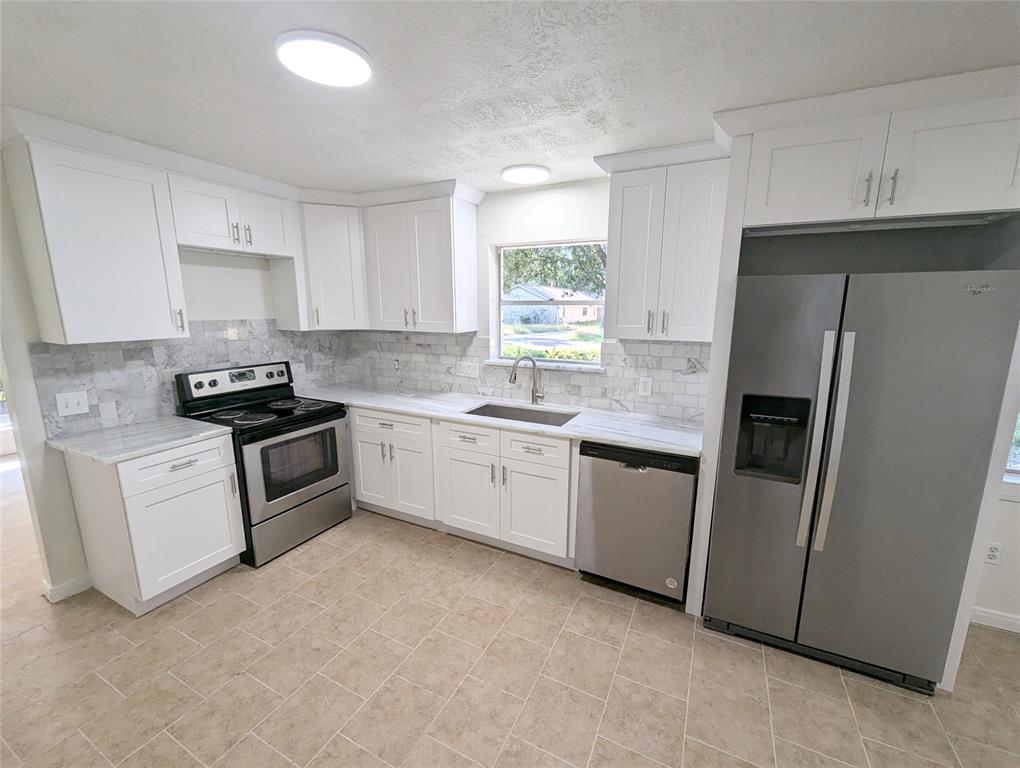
x=859, y=420
x=291, y=452
x=634, y=515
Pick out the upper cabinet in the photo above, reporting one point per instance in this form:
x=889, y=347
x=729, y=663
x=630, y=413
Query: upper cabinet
x=208, y=215
x=665, y=236
x=956, y=158
x=421, y=260
x=99, y=245
x=335, y=267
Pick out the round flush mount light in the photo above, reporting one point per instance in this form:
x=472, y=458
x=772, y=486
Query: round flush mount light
x=324, y=58
x=525, y=174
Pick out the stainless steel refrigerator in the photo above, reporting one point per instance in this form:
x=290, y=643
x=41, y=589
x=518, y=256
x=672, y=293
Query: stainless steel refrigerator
x=860, y=415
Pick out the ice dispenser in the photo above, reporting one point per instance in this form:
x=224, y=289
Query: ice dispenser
x=773, y=437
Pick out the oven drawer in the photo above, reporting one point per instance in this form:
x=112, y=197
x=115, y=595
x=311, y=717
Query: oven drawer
x=468, y=437
x=158, y=469
x=384, y=423
x=538, y=449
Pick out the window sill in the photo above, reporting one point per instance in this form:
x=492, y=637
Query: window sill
x=499, y=362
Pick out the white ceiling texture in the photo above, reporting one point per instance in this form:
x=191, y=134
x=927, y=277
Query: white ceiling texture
x=463, y=89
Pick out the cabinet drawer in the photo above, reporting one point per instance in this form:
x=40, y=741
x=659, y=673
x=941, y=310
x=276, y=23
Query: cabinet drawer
x=468, y=437
x=538, y=449
x=384, y=423
x=159, y=469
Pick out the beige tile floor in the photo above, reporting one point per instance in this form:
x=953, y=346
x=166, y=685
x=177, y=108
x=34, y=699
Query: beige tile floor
x=385, y=644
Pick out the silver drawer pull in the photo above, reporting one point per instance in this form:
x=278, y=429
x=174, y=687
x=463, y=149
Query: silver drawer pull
x=386, y=425
x=492, y=474
x=183, y=464
x=532, y=449
x=468, y=438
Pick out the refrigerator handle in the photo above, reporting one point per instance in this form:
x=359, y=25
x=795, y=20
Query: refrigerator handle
x=817, y=436
x=846, y=365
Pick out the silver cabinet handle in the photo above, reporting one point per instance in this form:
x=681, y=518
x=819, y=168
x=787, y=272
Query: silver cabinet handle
x=183, y=464
x=651, y=321
x=247, y=233
x=386, y=424
x=317, y=321
x=504, y=475
x=532, y=449
x=492, y=474
x=180, y=320
x=233, y=484
x=817, y=436
x=382, y=450
x=414, y=317
x=665, y=322
x=846, y=365
x=405, y=318
x=867, y=188
x=391, y=453
x=468, y=438
x=236, y=232
x=894, y=179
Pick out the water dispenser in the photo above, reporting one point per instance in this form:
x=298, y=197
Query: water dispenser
x=773, y=437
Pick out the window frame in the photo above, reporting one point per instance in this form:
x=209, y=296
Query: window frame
x=501, y=302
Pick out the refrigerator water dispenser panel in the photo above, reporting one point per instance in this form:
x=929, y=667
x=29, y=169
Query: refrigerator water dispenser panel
x=773, y=437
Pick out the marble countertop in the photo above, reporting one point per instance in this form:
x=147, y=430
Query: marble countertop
x=625, y=429
x=116, y=444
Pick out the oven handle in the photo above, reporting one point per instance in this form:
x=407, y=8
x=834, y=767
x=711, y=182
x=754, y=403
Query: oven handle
x=340, y=423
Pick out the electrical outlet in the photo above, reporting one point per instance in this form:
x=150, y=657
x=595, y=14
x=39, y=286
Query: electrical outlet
x=468, y=369
x=396, y=364
x=70, y=403
x=232, y=333
x=644, y=386
x=994, y=553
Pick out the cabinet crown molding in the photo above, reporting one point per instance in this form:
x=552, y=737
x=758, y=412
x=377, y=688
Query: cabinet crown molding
x=657, y=157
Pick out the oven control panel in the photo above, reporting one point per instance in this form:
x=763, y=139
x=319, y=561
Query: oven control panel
x=231, y=380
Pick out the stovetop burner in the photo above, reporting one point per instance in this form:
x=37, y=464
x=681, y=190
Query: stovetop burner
x=311, y=405
x=229, y=415
x=288, y=404
x=254, y=418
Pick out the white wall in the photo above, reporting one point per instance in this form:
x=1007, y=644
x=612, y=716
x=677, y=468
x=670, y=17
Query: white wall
x=222, y=286
x=575, y=211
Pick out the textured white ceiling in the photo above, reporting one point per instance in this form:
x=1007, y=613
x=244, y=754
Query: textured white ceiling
x=463, y=89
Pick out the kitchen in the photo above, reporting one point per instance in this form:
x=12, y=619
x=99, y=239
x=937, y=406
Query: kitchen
x=317, y=471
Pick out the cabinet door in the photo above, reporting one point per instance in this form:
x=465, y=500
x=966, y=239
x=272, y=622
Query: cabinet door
x=635, y=247
x=336, y=267
x=821, y=172
x=205, y=215
x=184, y=528
x=954, y=158
x=691, y=247
x=467, y=490
x=270, y=225
x=430, y=227
x=388, y=267
x=372, y=475
x=411, y=466
x=111, y=246
x=533, y=510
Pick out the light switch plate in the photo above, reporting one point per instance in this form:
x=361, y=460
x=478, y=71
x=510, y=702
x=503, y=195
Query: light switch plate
x=468, y=369
x=644, y=386
x=70, y=403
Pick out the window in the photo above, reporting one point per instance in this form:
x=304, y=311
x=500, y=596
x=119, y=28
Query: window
x=1013, y=462
x=552, y=301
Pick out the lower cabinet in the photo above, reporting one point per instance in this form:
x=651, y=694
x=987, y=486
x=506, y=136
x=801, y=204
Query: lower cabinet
x=533, y=508
x=467, y=491
x=393, y=472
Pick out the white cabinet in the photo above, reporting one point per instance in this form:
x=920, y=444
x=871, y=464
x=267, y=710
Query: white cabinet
x=392, y=470
x=468, y=491
x=665, y=239
x=155, y=526
x=959, y=157
x=180, y=530
x=955, y=158
x=533, y=509
x=824, y=172
x=335, y=266
x=99, y=245
x=421, y=260
x=208, y=215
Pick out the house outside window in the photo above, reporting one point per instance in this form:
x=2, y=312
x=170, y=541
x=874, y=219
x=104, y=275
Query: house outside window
x=552, y=301
x=1013, y=462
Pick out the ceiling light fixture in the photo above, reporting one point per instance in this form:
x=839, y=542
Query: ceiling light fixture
x=324, y=58
x=525, y=174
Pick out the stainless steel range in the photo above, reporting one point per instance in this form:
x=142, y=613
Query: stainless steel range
x=291, y=452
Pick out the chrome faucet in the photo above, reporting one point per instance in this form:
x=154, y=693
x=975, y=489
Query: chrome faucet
x=536, y=393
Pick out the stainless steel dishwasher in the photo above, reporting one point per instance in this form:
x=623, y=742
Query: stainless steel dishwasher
x=634, y=515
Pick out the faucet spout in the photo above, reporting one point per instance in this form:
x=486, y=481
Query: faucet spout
x=537, y=395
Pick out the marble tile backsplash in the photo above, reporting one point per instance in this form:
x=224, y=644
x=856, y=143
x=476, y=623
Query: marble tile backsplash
x=128, y=382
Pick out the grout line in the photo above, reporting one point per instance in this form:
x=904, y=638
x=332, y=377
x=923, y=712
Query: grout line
x=825, y=756
x=768, y=699
x=616, y=667
x=636, y=752
x=185, y=748
x=945, y=735
x=91, y=743
x=271, y=747
x=687, y=708
x=857, y=724
x=651, y=688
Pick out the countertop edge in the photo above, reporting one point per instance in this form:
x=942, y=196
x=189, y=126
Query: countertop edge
x=116, y=457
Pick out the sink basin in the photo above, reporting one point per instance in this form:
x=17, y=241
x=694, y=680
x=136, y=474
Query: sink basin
x=512, y=413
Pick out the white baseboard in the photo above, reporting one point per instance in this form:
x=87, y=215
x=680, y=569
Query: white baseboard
x=998, y=619
x=63, y=591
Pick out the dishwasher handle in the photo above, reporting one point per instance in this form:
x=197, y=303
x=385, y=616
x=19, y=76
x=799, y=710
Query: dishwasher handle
x=633, y=468
x=629, y=458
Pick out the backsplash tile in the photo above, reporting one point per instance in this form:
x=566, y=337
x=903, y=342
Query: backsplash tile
x=128, y=382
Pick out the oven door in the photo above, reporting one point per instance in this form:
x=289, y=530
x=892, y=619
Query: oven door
x=286, y=470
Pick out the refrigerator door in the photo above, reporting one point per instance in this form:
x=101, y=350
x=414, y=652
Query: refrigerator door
x=922, y=369
x=780, y=369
